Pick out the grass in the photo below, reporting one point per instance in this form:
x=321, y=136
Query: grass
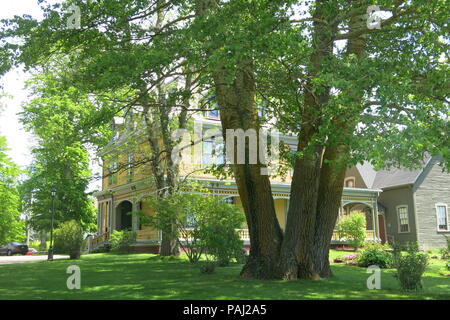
x=145, y=276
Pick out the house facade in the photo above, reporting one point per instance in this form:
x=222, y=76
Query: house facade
x=415, y=203
x=126, y=191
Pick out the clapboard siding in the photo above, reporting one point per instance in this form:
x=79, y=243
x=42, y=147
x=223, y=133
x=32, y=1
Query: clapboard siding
x=432, y=187
x=392, y=198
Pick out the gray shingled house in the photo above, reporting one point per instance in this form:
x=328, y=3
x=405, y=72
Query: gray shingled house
x=413, y=205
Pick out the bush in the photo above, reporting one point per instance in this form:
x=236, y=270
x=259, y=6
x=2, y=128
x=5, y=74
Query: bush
x=353, y=228
x=105, y=247
x=448, y=265
x=241, y=256
x=445, y=252
x=68, y=239
x=122, y=240
x=410, y=267
x=207, y=267
x=202, y=225
x=376, y=245
x=217, y=231
x=374, y=256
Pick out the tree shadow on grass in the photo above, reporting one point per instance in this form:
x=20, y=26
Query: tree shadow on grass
x=144, y=276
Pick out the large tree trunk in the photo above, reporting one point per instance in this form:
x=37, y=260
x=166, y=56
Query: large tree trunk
x=335, y=164
x=329, y=201
x=297, y=256
x=238, y=111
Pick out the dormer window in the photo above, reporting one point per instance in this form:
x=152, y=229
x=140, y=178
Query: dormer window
x=349, y=182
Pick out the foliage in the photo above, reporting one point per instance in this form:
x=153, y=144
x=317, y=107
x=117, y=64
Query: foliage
x=11, y=228
x=445, y=252
x=410, y=267
x=60, y=117
x=217, y=231
x=207, y=267
x=376, y=245
x=105, y=247
x=68, y=239
x=374, y=256
x=204, y=224
x=122, y=240
x=353, y=228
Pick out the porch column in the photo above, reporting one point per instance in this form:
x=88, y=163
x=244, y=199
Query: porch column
x=99, y=216
x=134, y=218
x=375, y=232
x=376, y=224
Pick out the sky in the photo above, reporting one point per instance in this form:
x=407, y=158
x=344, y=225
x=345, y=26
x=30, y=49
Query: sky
x=19, y=141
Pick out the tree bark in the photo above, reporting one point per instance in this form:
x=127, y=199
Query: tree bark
x=297, y=256
x=238, y=111
x=335, y=163
x=329, y=201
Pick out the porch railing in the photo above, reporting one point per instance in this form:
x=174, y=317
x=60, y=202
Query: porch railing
x=370, y=235
x=148, y=234
x=99, y=239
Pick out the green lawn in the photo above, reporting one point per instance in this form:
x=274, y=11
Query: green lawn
x=145, y=276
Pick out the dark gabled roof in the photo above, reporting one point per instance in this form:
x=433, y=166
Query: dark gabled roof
x=396, y=177
x=389, y=178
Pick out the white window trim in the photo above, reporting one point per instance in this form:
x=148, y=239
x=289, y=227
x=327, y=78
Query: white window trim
x=398, y=218
x=440, y=204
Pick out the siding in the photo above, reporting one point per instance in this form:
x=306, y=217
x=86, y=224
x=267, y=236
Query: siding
x=390, y=199
x=354, y=172
x=432, y=187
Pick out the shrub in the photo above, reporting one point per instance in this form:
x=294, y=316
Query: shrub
x=448, y=265
x=202, y=224
x=122, y=240
x=68, y=239
x=217, y=231
x=241, y=256
x=445, y=252
x=353, y=228
x=410, y=267
x=105, y=247
x=207, y=267
x=374, y=256
x=376, y=245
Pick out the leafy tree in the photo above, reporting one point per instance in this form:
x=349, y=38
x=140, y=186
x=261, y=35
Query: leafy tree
x=348, y=92
x=60, y=118
x=11, y=227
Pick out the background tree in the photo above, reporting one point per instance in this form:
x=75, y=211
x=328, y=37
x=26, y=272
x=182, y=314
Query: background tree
x=11, y=227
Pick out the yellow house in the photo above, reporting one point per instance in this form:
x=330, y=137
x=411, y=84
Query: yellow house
x=126, y=191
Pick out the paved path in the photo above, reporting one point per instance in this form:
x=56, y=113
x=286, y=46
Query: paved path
x=20, y=259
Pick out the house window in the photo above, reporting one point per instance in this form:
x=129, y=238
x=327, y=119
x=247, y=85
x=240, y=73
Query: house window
x=403, y=220
x=207, y=152
x=212, y=153
x=113, y=172
x=212, y=114
x=349, y=182
x=130, y=167
x=442, y=217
